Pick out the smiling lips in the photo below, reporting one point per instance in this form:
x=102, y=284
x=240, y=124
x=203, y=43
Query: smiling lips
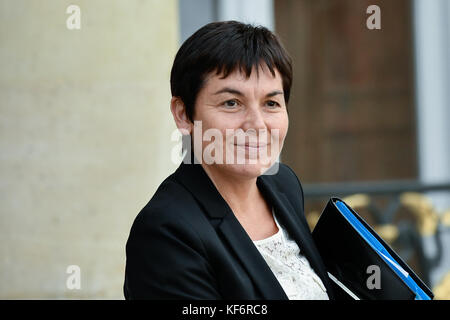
x=252, y=146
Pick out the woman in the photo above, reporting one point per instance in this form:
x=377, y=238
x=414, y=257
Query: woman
x=225, y=226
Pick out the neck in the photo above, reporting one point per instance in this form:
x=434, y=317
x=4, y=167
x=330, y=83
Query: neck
x=239, y=192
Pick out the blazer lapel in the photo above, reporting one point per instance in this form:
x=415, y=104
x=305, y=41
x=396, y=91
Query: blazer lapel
x=296, y=229
x=254, y=263
x=196, y=181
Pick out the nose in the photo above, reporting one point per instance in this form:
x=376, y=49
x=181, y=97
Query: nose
x=254, y=119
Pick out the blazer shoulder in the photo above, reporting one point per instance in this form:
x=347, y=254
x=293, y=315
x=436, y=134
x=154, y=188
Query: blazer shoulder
x=170, y=205
x=164, y=247
x=166, y=220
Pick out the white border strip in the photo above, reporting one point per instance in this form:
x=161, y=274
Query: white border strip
x=340, y=284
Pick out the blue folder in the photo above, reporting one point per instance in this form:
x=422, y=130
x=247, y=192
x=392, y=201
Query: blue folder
x=381, y=250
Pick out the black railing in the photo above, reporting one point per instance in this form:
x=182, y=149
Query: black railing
x=321, y=190
x=409, y=236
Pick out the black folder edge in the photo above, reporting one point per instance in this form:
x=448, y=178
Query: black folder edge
x=397, y=258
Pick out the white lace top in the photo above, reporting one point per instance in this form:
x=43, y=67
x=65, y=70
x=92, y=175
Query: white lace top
x=292, y=269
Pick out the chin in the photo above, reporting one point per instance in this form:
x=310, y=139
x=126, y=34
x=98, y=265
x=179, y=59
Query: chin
x=249, y=171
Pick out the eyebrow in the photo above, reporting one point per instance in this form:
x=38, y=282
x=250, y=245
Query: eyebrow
x=239, y=93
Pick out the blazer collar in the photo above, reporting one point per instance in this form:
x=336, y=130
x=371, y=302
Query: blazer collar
x=194, y=178
x=196, y=181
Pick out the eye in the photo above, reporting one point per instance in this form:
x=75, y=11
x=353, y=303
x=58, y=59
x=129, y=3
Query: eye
x=272, y=104
x=230, y=104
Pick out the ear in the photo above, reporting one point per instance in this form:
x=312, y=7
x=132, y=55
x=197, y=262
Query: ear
x=179, y=115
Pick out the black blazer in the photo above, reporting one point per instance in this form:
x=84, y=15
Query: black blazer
x=186, y=242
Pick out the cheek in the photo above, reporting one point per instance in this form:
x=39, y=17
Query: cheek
x=215, y=120
x=285, y=129
x=280, y=127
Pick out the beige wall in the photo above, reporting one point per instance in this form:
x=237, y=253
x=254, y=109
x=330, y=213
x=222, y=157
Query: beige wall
x=84, y=138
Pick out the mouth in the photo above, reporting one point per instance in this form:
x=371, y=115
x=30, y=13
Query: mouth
x=252, y=146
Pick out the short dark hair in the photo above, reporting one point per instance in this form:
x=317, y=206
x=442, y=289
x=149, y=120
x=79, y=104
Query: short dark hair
x=224, y=47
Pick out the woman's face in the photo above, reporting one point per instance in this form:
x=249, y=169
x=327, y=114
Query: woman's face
x=240, y=123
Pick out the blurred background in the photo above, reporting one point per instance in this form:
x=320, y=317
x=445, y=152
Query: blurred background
x=86, y=130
